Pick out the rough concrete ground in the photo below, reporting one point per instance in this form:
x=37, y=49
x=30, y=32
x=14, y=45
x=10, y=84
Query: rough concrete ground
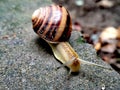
x=27, y=62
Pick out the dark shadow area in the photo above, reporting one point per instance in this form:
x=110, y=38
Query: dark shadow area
x=43, y=44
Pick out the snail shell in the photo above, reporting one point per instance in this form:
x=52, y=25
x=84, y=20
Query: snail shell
x=52, y=23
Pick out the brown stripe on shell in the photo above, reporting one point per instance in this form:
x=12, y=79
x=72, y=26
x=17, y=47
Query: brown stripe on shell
x=55, y=23
x=50, y=23
x=48, y=13
x=35, y=17
x=62, y=24
x=67, y=31
x=41, y=17
x=37, y=21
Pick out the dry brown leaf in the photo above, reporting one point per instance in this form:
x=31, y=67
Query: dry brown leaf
x=109, y=33
x=106, y=3
x=119, y=32
x=118, y=65
x=110, y=48
x=118, y=44
x=105, y=58
x=97, y=46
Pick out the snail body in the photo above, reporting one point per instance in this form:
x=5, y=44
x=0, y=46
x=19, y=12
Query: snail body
x=53, y=24
x=66, y=54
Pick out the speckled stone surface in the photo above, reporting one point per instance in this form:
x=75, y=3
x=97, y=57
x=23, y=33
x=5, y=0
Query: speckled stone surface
x=27, y=62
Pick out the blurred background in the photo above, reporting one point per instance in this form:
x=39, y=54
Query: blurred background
x=26, y=63
x=99, y=23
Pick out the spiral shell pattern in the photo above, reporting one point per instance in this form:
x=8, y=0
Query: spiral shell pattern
x=52, y=23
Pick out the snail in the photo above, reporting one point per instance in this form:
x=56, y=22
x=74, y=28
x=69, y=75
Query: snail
x=54, y=25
